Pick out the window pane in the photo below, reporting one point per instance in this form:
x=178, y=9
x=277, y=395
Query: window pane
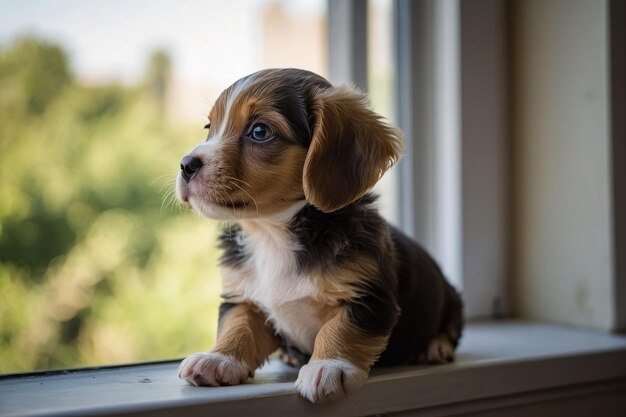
x=98, y=102
x=380, y=83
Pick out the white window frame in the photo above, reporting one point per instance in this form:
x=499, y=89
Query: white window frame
x=617, y=36
x=347, y=42
x=453, y=180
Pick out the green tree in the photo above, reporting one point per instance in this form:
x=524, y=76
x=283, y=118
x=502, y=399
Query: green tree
x=158, y=77
x=32, y=75
x=94, y=267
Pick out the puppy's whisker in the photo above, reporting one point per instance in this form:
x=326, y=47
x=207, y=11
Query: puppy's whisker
x=172, y=200
x=241, y=181
x=161, y=176
x=220, y=196
x=169, y=184
x=224, y=202
x=166, y=197
x=170, y=194
x=248, y=194
x=167, y=193
x=245, y=210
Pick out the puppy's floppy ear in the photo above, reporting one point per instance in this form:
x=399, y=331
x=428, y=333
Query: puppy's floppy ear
x=351, y=148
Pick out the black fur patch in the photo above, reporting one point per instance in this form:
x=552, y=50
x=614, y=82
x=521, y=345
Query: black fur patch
x=225, y=308
x=375, y=312
x=293, y=106
x=230, y=242
x=429, y=303
x=293, y=98
x=328, y=240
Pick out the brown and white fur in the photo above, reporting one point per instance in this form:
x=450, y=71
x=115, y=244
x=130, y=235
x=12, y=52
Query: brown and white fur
x=309, y=266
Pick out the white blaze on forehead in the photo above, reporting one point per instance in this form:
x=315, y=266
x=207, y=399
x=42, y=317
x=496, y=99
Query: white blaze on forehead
x=209, y=146
x=204, y=149
x=239, y=86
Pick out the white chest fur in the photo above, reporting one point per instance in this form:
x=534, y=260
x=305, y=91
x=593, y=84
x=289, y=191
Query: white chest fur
x=273, y=282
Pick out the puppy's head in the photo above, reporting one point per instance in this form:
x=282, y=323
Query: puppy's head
x=280, y=137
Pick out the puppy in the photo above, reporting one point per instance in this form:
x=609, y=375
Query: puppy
x=309, y=266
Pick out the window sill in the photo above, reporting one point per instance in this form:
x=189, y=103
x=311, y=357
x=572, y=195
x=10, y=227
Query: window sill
x=499, y=364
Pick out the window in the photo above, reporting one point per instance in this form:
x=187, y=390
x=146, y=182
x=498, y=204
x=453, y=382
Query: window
x=513, y=178
x=98, y=102
x=85, y=246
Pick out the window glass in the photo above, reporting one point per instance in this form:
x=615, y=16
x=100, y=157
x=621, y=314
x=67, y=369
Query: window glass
x=98, y=102
x=380, y=88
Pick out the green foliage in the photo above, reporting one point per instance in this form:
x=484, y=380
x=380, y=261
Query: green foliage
x=93, y=269
x=159, y=70
x=33, y=75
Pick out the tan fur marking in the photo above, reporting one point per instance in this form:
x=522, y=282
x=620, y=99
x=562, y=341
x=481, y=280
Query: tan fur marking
x=216, y=115
x=243, y=334
x=339, y=339
x=276, y=187
x=341, y=284
x=266, y=178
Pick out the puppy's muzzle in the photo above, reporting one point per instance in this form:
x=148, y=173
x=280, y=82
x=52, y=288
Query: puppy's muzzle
x=189, y=165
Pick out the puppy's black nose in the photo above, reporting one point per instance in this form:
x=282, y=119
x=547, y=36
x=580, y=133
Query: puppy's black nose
x=189, y=165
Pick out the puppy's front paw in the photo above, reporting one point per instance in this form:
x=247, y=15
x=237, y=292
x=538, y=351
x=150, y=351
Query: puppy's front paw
x=212, y=369
x=329, y=379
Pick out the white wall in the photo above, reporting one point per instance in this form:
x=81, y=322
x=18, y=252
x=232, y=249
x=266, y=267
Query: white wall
x=484, y=152
x=563, y=265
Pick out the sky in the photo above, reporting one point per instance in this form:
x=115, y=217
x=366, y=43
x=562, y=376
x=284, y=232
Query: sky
x=112, y=39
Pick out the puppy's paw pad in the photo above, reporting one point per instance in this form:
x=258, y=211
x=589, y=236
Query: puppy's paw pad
x=329, y=379
x=440, y=350
x=212, y=369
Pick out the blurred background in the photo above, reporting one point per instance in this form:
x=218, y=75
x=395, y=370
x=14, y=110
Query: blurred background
x=98, y=102
x=513, y=176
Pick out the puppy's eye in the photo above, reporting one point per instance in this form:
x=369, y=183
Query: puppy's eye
x=261, y=132
x=208, y=125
